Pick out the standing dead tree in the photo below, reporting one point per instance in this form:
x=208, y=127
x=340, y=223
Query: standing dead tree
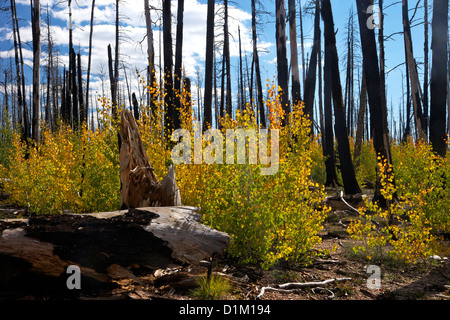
x=209, y=66
x=351, y=186
x=414, y=77
x=178, y=64
x=36, y=29
x=378, y=114
x=296, y=97
x=438, y=137
x=282, y=64
x=259, y=92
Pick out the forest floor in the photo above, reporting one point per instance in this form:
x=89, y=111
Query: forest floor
x=426, y=281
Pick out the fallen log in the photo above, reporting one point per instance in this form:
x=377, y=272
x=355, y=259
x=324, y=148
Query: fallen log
x=35, y=253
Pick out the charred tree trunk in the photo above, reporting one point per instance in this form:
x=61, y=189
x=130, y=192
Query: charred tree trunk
x=36, y=27
x=259, y=92
x=151, y=58
x=36, y=253
x=19, y=75
x=282, y=64
x=426, y=59
x=378, y=114
x=438, y=131
x=83, y=113
x=296, y=96
x=209, y=65
x=178, y=64
x=226, y=48
x=415, y=85
x=328, y=138
x=361, y=117
x=88, y=77
x=351, y=186
x=310, y=83
x=168, y=69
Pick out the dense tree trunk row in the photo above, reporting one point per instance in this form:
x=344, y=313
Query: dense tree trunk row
x=68, y=97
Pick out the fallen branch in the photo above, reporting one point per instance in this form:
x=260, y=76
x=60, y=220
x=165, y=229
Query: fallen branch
x=324, y=289
x=347, y=204
x=294, y=287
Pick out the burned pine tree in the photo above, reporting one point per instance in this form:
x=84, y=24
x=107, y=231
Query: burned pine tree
x=310, y=82
x=36, y=30
x=282, y=64
x=209, y=66
x=414, y=77
x=151, y=76
x=88, y=76
x=168, y=68
x=296, y=96
x=178, y=65
x=378, y=114
x=259, y=92
x=438, y=133
x=351, y=186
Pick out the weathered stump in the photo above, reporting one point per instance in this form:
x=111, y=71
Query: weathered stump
x=140, y=187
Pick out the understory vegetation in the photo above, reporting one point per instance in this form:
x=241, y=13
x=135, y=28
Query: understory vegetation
x=269, y=218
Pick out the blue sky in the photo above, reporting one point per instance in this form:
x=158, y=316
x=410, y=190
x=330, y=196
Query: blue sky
x=133, y=28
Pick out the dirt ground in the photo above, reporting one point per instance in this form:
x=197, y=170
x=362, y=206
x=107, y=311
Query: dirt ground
x=426, y=281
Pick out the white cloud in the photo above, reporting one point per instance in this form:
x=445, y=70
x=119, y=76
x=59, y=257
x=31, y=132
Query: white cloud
x=133, y=31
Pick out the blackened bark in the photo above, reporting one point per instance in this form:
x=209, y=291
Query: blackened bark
x=310, y=83
x=296, y=97
x=209, y=64
x=178, y=64
x=282, y=64
x=328, y=138
x=260, y=101
x=415, y=90
x=351, y=186
x=36, y=27
x=378, y=114
x=88, y=77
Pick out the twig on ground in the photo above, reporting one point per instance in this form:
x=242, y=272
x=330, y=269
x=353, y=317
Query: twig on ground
x=324, y=289
x=294, y=287
x=347, y=204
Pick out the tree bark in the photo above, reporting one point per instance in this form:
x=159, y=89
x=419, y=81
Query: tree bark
x=260, y=99
x=151, y=58
x=361, y=116
x=88, y=77
x=438, y=86
x=418, y=112
x=178, y=64
x=282, y=64
x=310, y=83
x=36, y=27
x=296, y=96
x=209, y=64
x=351, y=186
x=328, y=138
x=35, y=253
x=139, y=185
x=226, y=48
x=378, y=114
x=426, y=67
